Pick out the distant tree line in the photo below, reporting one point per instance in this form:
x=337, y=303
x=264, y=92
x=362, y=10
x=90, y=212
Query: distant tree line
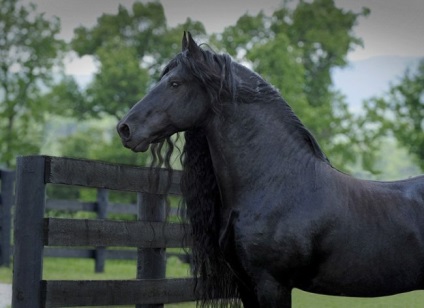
x=295, y=49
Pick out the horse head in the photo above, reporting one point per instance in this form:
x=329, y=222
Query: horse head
x=176, y=103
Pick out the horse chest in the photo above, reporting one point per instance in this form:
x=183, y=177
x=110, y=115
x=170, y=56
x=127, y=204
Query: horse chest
x=274, y=242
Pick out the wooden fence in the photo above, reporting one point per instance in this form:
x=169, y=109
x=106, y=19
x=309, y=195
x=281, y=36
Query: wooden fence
x=7, y=182
x=102, y=207
x=150, y=234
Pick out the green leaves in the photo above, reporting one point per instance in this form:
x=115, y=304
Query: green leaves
x=137, y=28
x=295, y=50
x=119, y=83
x=131, y=49
x=401, y=112
x=28, y=53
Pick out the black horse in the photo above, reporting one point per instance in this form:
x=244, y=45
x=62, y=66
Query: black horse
x=268, y=211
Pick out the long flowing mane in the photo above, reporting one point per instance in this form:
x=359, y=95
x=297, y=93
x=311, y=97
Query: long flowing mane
x=225, y=82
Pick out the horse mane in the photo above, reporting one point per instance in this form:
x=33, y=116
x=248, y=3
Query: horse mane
x=219, y=76
x=263, y=92
x=216, y=283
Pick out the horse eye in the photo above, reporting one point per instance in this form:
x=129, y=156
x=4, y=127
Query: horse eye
x=175, y=84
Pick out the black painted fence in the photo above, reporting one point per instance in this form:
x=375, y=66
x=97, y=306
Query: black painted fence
x=151, y=235
x=7, y=198
x=102, y=207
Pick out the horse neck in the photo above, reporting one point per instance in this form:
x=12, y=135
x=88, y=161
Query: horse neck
x=253, y=144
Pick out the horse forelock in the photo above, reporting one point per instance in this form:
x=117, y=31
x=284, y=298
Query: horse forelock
x=213, y=71
x=223, y=79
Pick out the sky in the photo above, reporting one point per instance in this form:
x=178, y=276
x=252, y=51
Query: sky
x=394, y=27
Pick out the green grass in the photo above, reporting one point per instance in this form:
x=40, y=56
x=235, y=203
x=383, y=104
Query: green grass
x=83, y=269
x=5, y=275
x=410, y=300
x=79, y=269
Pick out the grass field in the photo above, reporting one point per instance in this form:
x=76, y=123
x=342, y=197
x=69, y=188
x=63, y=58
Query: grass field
x=80, y=269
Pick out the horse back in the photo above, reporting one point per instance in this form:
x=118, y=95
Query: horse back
x=403, y=195
x=413, y=189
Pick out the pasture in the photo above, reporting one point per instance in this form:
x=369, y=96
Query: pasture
x=72, y=269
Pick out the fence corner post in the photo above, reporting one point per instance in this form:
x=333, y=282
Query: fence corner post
x=28, y=232
x=6, y=203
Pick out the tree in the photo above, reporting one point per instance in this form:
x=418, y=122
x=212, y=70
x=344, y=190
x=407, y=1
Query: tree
x=28, y=53
x=295, y=50
x=131, y=48
x=325, y=34
x=119, y=83
x=401, y=112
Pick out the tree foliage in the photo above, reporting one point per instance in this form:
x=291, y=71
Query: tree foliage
x=401, y=112
x=28, y=53
x=325, y=34
x=139, y=28
x=119, y=83
x=295, y=50
x=131, y=48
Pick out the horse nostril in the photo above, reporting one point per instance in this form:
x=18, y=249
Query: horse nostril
x=124, y=131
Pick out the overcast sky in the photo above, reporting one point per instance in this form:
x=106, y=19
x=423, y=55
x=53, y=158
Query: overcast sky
x=394, y=27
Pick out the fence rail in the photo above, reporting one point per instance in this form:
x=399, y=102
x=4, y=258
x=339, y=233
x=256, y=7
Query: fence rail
x=151, y=235
x=86, y=232
x=102, y=207
x=117, y=292
x=96, y=174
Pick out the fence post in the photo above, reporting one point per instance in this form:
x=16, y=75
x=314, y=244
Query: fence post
x=6, y=203
x=151, y=262
x=28, y=250
x=100, y=253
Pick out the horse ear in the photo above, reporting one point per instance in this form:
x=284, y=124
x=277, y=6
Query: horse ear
x=184, y=44
x=190, y=45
